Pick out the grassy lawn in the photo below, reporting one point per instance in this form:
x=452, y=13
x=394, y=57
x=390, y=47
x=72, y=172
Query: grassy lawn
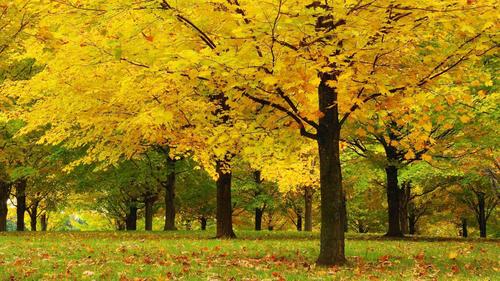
x=253, y=256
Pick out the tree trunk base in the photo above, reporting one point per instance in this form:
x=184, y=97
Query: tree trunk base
x=226, y=236
x=329, y=261
x=394, y=234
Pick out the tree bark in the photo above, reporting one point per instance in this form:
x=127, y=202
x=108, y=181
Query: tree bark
x=4, y=196
x=148, y=212
x=393, y=201
x=405, y=193
x=308, y=196
x=259, y=211
x=481, y=215
x=224, y=214
x=344, y=213
x=33, y=216
x=299, y=220
x=332, y=247
x=465, y=233
x=21, y=204
x=258, y=219
x=131, y=221
x=203, y=222
x=169, y=185
x=44, y=221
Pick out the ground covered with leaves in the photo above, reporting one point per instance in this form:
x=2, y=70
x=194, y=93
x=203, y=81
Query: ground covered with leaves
x=253, y=256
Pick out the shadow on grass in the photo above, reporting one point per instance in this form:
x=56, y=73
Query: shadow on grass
x=240, y=235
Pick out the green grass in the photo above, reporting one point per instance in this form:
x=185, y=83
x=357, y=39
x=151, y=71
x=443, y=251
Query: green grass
x=253, y=256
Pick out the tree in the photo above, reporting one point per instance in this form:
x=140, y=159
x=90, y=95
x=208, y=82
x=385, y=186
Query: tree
x=320, y=37
x=482, y=199
x=15, y=20
x=268, y=64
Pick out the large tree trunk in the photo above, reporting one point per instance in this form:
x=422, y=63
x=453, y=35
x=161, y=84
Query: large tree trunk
x=21, y=204
x=332, y=247
x=170, y=196
x=258, y=219
x=393, y=194
x=149, y=212
x=4, y=196
x=203, y=222
x=33, y=216
x=131, y=221
x=44, y=221
x=224, y=213
x=465, y=233
x=308, y=196
x=481, y=214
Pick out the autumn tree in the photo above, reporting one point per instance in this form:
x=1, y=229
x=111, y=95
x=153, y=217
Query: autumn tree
x=15, y=20
x=298, y=47
x=318, y=64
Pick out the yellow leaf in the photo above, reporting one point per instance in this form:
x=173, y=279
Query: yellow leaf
x=452, y=255
x=427, y=157
x=427, y=126
x=410, y=155
x=360, y=132
x=464, y=119
x=269, y=80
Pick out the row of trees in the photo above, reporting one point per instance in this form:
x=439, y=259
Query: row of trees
x=112, y=84
x=125, y=195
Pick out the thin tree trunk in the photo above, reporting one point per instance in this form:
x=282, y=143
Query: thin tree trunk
x=270, y=224
x=332, y=247
x=258, y=219
x=33, y=216
x=393, y=194
x=258, y=211
x=44, y=221
x=148, y=212
x=21, y=204
x=203, y=222
x=481, y=216
x=299, y=220
x=170, y=196
x=308, y=208
x=224, y=212
x=465, y=233
x=131, y=221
